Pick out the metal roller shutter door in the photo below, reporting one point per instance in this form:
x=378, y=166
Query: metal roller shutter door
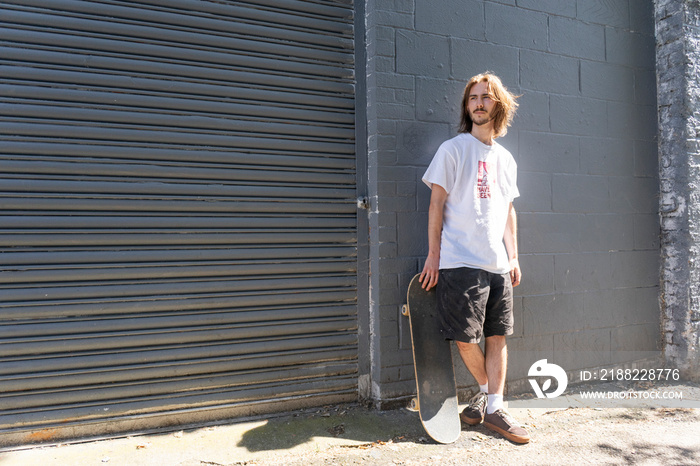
x=178, y=225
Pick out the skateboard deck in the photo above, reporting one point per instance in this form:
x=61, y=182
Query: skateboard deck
x=432, y=360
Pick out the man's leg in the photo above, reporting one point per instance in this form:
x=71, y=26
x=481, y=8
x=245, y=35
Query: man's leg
x=473, y=358
x=496, y=362
x=490, y=368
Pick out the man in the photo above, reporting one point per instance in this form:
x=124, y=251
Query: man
x=473, y=251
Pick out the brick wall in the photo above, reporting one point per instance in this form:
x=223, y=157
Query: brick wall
x=584, y=140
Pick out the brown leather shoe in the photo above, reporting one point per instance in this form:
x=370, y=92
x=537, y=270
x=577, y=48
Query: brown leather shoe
x=503, y=423
x=473, y=414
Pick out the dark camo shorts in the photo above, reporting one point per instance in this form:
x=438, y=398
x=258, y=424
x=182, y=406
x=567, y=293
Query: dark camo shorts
x=473, y=303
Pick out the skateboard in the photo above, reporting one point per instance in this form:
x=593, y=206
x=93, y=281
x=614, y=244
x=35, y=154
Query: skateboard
x=436, y=387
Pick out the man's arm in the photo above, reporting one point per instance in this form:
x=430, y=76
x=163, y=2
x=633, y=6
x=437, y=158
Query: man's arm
x=431, y=270
x=510, y=237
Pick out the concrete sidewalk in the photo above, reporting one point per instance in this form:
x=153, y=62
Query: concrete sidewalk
x=578, y=433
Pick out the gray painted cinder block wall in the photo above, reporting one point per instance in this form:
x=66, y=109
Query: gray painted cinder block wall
x=584, y=140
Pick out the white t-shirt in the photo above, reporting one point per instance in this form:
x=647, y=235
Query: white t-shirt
x=480, y=181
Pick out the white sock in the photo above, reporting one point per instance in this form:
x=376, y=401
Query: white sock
x=495, y=403
x=484, y=388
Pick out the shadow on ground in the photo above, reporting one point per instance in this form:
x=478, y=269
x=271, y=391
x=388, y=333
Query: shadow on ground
x=656, y=448
x=352, y=423
x=651, y=453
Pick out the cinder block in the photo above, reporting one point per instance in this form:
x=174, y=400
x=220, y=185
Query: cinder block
x=556, y=313
x=382, y=47
x=538, y=275
x=383, y=126
x=636, y=269
x=642, y=16
x=535, y=192
x=556, y=7
x=395, y=173
x=455, y=18
x=607, y=81
x=387, y=234
x=405, y=6
x=381, y=64
x=387, y=250
x=389, y=391
x=422, y=54
x=390, y=17
x=438, y=100
x=605, y=232
x=580, y=193
x=582, y=349
x=542, y=233
x=418, y=142
x=397, y=204
x=389, y=374
x=634, y=195
x=629, y=48
x=645, y=87
x=386, y=188
x=516, y=27
x=385, y=142
x=578, y=115
x=510, y=142
x=397, y=358
x=607, y=156
x=635, y=342
x=533, y=112
x=575, y=38
x=578, y=272
x=382, y=94
x=609, y=12
x=548, y=72
x=407, y=373
x=398, y=265
x=642, y=337
x=394, y=81
x=406, y=189
x=632, y=120
x=387, y=219
x=412, y=234
x=548, y=153
x=404, y=96
x=470, y=58
x=395, y=111
x=386, y=157
x=647, y=232
x=389, y=341
x=647, y=305
x=610, y=307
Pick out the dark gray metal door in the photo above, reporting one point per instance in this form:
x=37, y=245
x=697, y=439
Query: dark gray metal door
x=177, y=227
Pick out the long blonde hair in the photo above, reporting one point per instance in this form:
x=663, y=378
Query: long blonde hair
x=504, y=110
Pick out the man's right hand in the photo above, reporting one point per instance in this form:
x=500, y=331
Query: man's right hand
x=431, y=272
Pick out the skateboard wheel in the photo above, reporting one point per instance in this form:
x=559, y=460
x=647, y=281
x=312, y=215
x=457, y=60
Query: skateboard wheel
x=404, y=310
x=413, y=404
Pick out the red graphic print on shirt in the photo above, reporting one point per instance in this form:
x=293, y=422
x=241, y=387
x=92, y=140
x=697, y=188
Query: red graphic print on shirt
x=486, y=179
